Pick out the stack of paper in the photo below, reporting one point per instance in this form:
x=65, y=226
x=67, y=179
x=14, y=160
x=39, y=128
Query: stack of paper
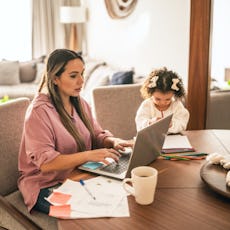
x=176, y=144
x=71, y=199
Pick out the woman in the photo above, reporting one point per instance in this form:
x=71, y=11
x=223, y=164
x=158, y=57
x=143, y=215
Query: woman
x=60, y=132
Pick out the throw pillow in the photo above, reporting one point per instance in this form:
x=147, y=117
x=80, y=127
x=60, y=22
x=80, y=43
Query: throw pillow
x=28, y=69
x=39, y=72
x=122, y=77
x=9, y=73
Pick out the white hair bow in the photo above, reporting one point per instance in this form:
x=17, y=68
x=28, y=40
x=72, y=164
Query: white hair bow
x=174, y=85
x=153, y=82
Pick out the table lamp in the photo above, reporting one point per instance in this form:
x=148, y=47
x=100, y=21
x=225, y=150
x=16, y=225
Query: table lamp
x=73, y=15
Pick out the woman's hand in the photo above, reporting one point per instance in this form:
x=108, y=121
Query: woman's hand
x=70, y=161
x=117, y=143
x=100, y=155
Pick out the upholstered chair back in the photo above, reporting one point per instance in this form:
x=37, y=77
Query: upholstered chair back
x=12, y=114
x=115, y=108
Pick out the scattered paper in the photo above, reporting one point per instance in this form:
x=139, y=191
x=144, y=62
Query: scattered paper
x=111, y=198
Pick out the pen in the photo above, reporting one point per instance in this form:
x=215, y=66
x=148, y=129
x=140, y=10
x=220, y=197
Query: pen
x=87, y=190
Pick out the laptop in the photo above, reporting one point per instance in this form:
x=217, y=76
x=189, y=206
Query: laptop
x=147, y=148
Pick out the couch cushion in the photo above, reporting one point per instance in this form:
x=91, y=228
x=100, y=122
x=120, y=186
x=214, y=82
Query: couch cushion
x=20, y=90
x=9, y=73
x=122, y=77
x=8, y=222
x=41, y=219
x=28, y=69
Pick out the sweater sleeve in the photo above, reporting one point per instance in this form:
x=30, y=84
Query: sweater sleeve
x=180, y=118
x=39, y=138
x=143, y=115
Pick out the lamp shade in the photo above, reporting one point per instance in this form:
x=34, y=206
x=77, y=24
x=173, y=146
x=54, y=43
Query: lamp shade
x=72, y=14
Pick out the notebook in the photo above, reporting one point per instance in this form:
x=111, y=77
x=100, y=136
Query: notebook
x=177, y=144
x=147, y=148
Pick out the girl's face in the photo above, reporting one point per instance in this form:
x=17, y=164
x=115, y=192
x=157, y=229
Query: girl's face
x=162, y=100
x=71, y=80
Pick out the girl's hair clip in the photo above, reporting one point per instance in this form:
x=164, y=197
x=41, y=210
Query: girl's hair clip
x=174, y=85
x=153, y=82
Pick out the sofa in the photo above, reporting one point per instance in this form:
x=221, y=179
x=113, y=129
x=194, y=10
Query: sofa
x=20, y=79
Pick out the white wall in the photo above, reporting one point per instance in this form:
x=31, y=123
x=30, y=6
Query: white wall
x=156, y=34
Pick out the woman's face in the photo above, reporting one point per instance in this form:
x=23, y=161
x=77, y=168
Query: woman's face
x=71, y=80
x=162, y=100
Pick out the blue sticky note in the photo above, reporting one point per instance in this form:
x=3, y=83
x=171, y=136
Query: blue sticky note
x=92, y=165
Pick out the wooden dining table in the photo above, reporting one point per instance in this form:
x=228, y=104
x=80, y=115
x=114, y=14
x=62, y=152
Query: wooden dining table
x=182, y=200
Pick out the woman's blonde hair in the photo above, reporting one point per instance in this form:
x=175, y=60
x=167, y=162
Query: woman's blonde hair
x=56, y=63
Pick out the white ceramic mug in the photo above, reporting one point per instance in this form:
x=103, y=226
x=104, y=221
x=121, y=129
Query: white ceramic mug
x=144, y=181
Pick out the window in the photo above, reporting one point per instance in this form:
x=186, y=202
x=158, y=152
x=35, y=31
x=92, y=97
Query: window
x=16, y=30
x=220, y=39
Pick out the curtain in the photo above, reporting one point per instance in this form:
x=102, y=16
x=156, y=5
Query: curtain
x=47, y=31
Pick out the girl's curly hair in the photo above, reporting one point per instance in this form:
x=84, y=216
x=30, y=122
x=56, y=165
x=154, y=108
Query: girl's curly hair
x=163, y=80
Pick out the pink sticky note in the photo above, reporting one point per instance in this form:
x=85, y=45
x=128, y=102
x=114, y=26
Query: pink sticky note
x=61, y=211
x=59, y=198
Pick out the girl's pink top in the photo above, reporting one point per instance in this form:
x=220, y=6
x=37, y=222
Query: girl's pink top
x=44, y=138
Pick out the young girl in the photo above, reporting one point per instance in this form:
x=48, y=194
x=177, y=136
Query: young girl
x=162, y=91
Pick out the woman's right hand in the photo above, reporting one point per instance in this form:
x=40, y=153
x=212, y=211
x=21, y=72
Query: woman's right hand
x=100, y=155
x=68, y=161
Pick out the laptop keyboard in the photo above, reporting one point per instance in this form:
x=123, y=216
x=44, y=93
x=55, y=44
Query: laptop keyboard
x=117, y=168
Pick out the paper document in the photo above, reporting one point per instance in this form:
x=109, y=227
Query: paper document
x=177, y=143
x=110, y=199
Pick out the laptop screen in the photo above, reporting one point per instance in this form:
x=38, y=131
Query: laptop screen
x=147, y=148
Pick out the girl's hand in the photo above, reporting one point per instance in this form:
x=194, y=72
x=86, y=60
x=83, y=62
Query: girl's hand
x=100, y=155
x=154, y=119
